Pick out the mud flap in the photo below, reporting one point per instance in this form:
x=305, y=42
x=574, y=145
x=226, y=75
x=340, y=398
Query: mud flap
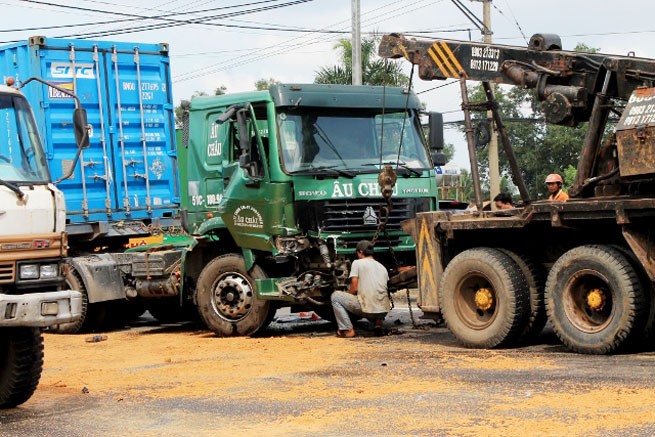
x=101, y=275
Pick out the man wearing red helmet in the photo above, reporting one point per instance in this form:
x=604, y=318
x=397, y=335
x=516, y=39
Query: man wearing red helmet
x=554, y=184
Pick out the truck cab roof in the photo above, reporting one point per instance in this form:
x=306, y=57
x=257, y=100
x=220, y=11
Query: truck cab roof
x=320, y=95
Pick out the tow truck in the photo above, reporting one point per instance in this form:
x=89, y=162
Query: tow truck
x=587, y=265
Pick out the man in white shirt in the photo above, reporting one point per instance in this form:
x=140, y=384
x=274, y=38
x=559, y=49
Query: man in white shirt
x=367, y=295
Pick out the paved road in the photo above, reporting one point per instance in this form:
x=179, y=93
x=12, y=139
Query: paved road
x=417, y=381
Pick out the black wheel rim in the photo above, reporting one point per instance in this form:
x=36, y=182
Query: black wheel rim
x=588, y=301
x=475, y=301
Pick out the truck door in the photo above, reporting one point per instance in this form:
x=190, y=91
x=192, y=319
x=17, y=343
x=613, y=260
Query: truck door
x=252, y=206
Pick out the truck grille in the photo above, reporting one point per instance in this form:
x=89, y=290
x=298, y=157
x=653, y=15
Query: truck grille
x=7, y=272
x=344, y=216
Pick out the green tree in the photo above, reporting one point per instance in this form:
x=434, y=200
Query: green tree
x=449, y=151
x=265, y=84
x=513, y=102
x=569, y=176
x=540, y=148
x=466, y=182
x=375, y=70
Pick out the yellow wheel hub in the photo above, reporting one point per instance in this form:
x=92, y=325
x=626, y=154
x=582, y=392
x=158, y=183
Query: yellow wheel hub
x=596, y=299
x=484, y=299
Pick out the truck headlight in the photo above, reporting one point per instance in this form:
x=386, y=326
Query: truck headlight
x=29, y=271
x=49, y=271
x=35, y=271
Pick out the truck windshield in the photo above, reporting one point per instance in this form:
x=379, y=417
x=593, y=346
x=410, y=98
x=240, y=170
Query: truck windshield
x=317, y=139
x=21, y=153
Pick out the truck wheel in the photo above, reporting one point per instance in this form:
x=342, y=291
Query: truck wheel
x=535, y=279
x=93, y=315
x=645, y=340
x=595, y=300
x=484, y=298
x=227, y=301
x=21, y=362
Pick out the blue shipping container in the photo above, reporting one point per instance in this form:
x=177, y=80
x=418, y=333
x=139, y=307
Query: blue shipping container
x=130, y=170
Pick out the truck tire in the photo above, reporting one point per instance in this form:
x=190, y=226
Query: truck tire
x=535, y=278
x=484, y=298
x=21, y=362
x=595, y=300
x=645, y=340
x=93, y=315
x=227, y=301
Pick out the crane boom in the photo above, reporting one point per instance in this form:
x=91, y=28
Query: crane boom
x=572, y=87
x=566, y=81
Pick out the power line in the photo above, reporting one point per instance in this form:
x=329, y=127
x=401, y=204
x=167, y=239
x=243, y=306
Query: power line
x=515, y=20
x=276, y=50
x=187, y=6
x=169, y=22
x=418, y=33
x=176, y=23
x=133, y=17
x=168, y=13
x=437, y=87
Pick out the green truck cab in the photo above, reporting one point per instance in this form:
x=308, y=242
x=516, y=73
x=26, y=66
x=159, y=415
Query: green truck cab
x=278, y=186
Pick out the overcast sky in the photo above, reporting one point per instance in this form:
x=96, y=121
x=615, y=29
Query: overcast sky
x=205, y=56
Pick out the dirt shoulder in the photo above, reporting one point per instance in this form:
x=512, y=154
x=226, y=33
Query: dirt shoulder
x=180, y=380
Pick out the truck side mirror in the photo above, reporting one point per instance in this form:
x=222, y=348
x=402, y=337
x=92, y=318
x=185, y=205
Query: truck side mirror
x=435, y=123
x=438, y=158
x=80, y=126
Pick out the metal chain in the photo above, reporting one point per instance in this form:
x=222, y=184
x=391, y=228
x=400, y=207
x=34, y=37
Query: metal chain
x=382, y=223
x=411, y=312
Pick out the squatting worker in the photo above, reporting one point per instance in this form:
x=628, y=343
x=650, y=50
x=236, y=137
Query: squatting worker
x=554, y=184
x=503, y=201
x=367, y=295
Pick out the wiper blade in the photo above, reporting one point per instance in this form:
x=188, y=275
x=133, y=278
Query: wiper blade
x=13, y=188
x=327, y=168
x=400, y=164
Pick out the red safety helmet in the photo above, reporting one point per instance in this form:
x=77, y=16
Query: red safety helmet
x=554, y=177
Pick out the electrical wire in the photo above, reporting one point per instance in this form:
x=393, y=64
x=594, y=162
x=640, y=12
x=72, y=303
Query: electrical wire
x=175, y=23
x=169, y=22
x=187, y=6
x=437, y=87
x=515, y=20
x=276, y=50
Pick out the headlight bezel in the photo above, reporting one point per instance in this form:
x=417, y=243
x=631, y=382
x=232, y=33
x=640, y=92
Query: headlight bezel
x=48, y=271
x=36, y=271
x=29, y=271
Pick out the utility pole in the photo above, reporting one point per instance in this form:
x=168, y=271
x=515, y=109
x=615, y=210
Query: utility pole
x=356, y=44
x=494, y=166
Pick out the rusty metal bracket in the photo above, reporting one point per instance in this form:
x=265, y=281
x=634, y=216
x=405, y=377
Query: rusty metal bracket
x=555, y=219
x=643, y=248
x=621, y=217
